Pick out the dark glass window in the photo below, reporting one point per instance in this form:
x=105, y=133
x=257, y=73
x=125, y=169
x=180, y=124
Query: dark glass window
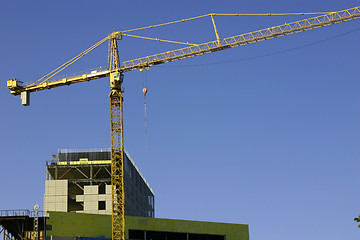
x=102, y=188
x=157, y=235
x=102, y=205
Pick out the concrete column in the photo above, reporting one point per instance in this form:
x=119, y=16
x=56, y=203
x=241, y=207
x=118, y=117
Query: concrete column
x=91, y=175
x=56, y=173
x=47, y=173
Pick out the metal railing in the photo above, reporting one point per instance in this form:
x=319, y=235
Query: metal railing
x=89, y=71
x=70, y=75
x=77, y=150
x=19, y=212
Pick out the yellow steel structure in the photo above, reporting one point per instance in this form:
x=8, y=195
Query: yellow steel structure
x=83, y=161
x=117, y=142
x=116, y=69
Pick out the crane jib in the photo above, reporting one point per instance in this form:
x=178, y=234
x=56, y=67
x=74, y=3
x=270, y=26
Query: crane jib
x=16, y=87
x=243, y=39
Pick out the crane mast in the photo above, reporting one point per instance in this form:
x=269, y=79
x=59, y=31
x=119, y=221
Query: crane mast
x=116, y=69
x=117, y=142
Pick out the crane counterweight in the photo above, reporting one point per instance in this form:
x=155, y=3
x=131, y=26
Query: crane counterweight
x=25, y=98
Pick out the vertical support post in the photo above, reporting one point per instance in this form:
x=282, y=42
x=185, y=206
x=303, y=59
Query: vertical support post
x=91, y=174
x=36, y=222
x=215, y=29
x=117, y=142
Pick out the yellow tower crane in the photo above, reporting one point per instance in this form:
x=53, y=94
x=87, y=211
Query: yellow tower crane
x=116, y=69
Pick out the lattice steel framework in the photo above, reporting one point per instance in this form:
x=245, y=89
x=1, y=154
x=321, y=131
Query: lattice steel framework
x=117, y=143
x=48, y=82
x=243, y=39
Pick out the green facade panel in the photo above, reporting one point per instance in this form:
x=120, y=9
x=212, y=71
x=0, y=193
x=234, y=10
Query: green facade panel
x=99, y=226
x=64, y=224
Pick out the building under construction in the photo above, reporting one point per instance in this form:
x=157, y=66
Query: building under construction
x=80, y=181
x=77, y=205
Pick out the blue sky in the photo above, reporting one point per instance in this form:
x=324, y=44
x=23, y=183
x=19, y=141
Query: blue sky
x=265, y=134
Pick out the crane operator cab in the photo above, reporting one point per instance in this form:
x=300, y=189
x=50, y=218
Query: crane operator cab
x=116, y=79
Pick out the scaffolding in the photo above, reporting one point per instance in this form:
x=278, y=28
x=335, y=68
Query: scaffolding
x=19, y=225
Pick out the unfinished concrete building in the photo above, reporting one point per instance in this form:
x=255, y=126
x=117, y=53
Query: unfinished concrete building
x=77, y=206
x=79, y=180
